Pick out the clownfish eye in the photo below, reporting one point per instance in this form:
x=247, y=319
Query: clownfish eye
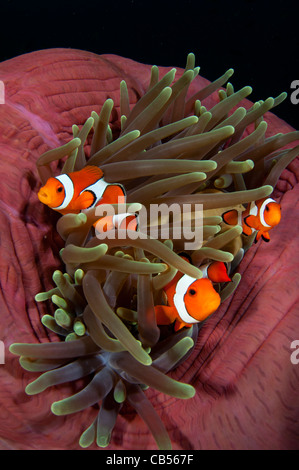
x=192, y=292
x=60, y=189
x=267, y=208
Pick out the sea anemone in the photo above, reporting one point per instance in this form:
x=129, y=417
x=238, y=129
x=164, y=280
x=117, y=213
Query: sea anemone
x=166, y=149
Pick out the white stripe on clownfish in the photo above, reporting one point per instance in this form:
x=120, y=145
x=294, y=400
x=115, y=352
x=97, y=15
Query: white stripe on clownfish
x=119, y=218
x=181, y=288
x=253, y=210
x=262, y=211
x=68, y=185
x=204, y=270
x=98, y=188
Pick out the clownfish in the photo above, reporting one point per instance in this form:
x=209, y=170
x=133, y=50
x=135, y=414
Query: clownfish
x=191, y=300
x=85, y=189
x=80, y=190
x=260, y=216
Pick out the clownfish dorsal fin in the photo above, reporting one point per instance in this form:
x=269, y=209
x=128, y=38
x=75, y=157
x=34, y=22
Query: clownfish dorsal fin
x=86, y=176
x=217, y=272
x=250, y=221
x=231, y=217
x=92, y=170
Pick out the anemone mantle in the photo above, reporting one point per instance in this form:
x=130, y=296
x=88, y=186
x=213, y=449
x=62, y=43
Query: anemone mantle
x=240, y=366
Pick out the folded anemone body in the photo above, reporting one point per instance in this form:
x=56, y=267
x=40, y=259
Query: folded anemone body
x=91, y=336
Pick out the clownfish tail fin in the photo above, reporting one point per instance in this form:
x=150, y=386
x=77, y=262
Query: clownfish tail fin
x=217, y=272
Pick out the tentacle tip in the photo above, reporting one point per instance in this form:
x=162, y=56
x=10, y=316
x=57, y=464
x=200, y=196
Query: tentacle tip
x=82, y=216
x=13, y=348
x=190, y=391
x=90, y=120
x=147, y=361
x=56, y=409
x=230, y=129
x=84, y=444
x=103, y=441
x=236, y=277
x=29, y=390
x=77, y=141
x=56, y=273
x=262, y=125
x=268, y=188
x=230, y=257
x=189, y=343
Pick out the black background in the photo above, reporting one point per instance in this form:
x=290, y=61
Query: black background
x=259, y=39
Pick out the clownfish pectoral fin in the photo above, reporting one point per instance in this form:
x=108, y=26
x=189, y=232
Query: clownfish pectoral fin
x=250, y=222
x=165, y=315
x=258, y=236
x=246, y=229
x=266, y=236
x=217, y=272
x=84, y=200
x=230, y=217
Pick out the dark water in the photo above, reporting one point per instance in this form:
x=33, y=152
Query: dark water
x=257, y=38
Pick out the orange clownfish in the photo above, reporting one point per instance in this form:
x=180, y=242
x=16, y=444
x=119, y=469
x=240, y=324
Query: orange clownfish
x=85, y=189
x=260, y=216
x=80, y=190
x=191, y=300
